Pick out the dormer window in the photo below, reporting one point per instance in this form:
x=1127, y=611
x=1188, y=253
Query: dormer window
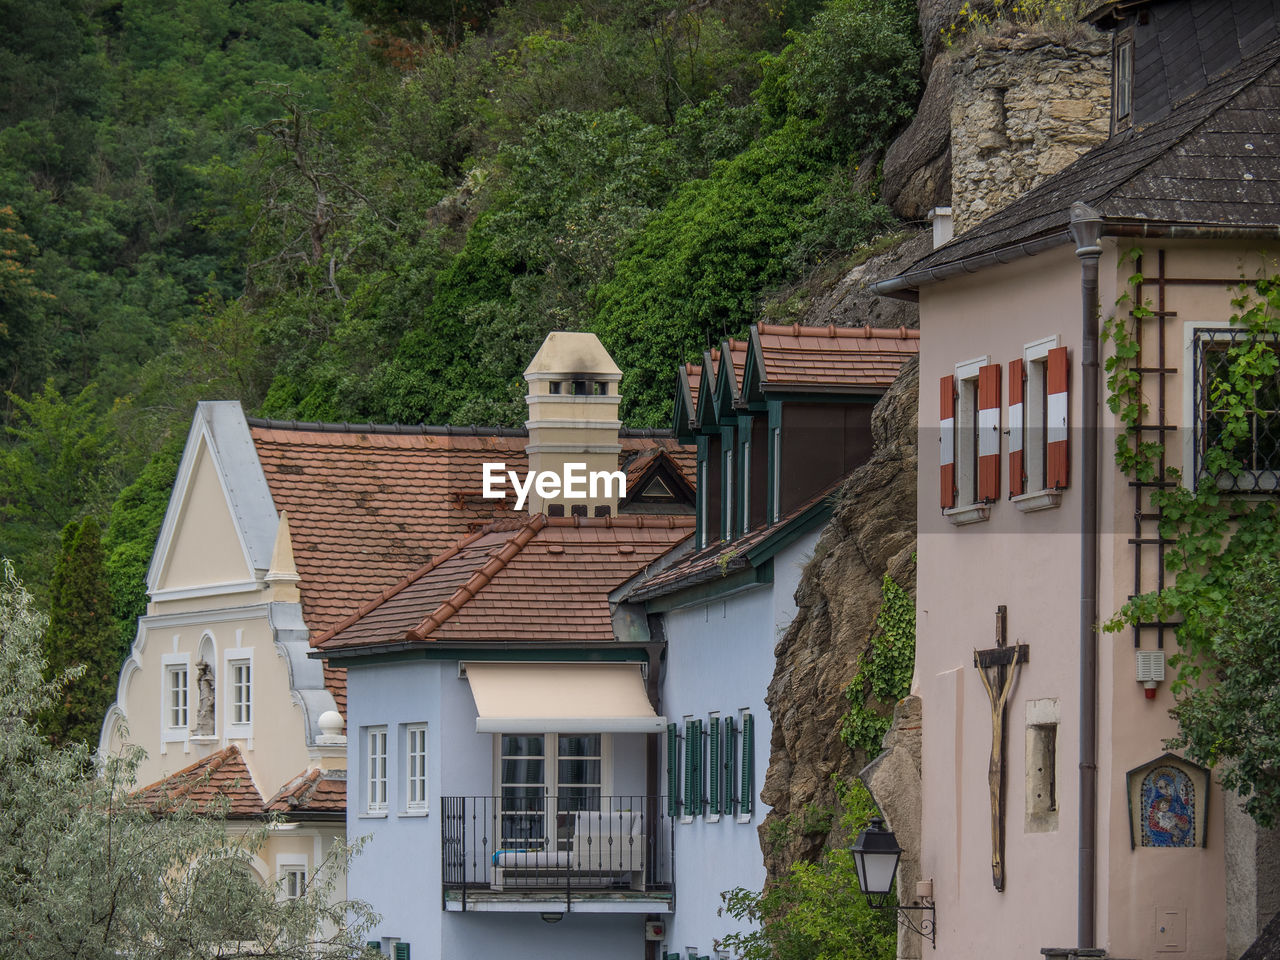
x=1122, y=97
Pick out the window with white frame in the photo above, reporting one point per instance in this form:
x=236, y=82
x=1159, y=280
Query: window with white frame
x=375, y=762
x=175, y=697
x=179, y=693
x=241, y=691
x=292, y=872
x=746, y=485
x=966, y=431
x=1035, y=418
x=415, y=768
x=703, y=500
x=776, y=506
x=541, y=775
x=1250, y=438
x=238, y=697
x=728, y=494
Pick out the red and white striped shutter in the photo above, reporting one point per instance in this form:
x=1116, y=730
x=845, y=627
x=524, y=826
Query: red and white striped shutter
x=947, y=394
x=1057, y=474
x=1017, y=465
x=989, y=432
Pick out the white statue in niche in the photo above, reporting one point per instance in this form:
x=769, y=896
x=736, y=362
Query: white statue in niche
x=204, y=712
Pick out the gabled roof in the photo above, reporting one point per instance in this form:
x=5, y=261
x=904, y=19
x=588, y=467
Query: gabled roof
x=729, y=376
x=704, y=412
x=848, y=360
x=724, y=558
x=368, y=505
x=312, y=793
x=220, y=783
x=688, y=380
x=1214, y=161
x=657, y=466
x=543, y=580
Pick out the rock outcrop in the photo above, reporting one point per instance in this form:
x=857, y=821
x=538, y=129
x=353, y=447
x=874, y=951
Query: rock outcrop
x=848, y=303
x=872, y=532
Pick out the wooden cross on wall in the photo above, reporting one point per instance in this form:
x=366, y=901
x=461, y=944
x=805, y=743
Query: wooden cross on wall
x=998, y=668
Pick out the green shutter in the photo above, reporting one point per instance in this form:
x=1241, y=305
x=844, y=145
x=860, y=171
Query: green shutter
x=374, y=945
x=745, y=797
x=402, y=951
x=688, y=768
x=673, y=770
x=699, y=775
x=730, y=768
x=717, y=773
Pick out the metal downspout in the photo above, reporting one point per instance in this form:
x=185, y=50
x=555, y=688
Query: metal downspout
x=1086, y=229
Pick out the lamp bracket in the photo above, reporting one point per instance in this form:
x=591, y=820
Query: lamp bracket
x=925, y=926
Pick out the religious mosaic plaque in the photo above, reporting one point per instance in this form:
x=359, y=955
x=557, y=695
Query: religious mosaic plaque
x=1168, y=801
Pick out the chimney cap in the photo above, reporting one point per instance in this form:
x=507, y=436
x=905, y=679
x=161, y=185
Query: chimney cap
x=572, y=354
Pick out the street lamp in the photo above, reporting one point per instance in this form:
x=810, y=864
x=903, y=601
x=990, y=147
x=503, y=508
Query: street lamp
x=876, y=854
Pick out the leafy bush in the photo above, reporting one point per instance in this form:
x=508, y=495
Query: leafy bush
x=816, y=911
x=884, y=671
x=855, y=72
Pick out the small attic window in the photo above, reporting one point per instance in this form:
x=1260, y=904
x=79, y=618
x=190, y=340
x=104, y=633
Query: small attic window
x=1123, y=97
x=555, y=386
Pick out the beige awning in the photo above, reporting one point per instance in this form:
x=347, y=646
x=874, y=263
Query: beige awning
x=561, y=698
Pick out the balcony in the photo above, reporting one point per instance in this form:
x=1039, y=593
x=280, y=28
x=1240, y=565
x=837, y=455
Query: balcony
x=557, y=853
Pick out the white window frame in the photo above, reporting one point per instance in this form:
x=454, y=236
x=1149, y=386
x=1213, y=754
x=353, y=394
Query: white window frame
x=1035, y=427
x=375, y=769
x=170, y=663
x=746, y=483
x=230, y=660
x=703, y=500
x=415, y=807
x=291, y=863
x=968, y=508
x=550, y=770
x=776, y=505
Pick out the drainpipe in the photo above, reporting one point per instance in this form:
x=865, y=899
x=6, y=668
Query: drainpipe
x=1086, y=230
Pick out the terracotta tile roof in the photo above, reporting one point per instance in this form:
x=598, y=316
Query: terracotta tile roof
x=368, y=504
x=693, y=371
x=721, y=559
x=833, y=358
x=545, y=579
x=312, y=791
x=221, y=782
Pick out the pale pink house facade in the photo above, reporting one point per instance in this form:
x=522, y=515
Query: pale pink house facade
x=1052, y=815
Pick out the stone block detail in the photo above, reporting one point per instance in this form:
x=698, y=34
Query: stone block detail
x=1023, y=108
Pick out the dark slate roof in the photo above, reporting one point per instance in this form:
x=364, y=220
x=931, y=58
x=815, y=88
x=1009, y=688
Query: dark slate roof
x=1215, y=159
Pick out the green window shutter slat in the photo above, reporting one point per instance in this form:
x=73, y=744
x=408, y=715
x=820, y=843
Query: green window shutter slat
x=699, y=777
x=673, y=769
x=402, y=951
x=374, y=945
x=713, y=745
x=688, y=768
x=730, y=768
x=745, y=797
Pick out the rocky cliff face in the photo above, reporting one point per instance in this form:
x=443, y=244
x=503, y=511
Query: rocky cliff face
x=872, y=531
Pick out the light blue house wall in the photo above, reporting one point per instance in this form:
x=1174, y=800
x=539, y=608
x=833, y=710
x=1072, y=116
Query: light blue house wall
x=399, y=869
x=720, y=659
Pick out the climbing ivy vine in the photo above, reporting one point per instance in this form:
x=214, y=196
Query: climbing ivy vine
x=1224, y=550
x=884, y=670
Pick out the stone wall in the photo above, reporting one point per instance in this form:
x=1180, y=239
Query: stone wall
x=1023, y=108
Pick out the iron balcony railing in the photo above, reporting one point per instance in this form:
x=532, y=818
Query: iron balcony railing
x=564, y=845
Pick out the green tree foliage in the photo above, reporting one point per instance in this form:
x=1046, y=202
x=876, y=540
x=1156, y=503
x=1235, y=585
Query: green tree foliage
x=1223, y=554
x=1232, y=720
x=61, y=461
x=131, y=536
x=82, y=635
x=86, y=873
x=816, y=911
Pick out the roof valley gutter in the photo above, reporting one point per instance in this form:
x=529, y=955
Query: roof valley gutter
x=1087, y=228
